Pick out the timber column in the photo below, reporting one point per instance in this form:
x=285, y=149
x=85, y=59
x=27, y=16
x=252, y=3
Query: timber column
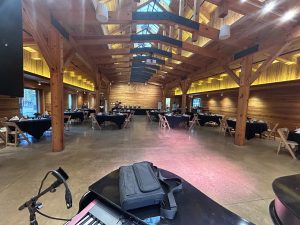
x=163, y=97
x=56, y=87
x=243, y=99
x=185, y=85
x=98, y=88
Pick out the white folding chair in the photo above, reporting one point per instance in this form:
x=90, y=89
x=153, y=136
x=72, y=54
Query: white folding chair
x=194, y=122
x=148, y=116
x=67, y=122
x=271, y=133
x=127, y=120
x=13, y=130
x=165, y=123
x=225, y=128
x=288, y=145
x=95, y=123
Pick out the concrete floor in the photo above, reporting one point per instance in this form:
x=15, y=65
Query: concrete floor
x=239, y=178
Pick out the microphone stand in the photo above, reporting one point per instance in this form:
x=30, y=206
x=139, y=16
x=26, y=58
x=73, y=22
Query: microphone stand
x=33, y=205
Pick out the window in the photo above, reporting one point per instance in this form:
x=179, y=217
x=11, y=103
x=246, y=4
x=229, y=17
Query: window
x=196, y=102
x=29, y=103
x=168, y=103
x=70, y=101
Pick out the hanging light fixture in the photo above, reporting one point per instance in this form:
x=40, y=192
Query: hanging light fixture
x=101, y=11
x=224, y=32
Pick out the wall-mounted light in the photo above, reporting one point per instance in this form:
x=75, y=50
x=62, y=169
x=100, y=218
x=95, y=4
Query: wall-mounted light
x=39, y=83
x=207, y=95
x=222, y=94
x=36, y=56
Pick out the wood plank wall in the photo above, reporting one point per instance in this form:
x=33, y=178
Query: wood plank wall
x=276, y=104
x=146, y=96
x=9, y=106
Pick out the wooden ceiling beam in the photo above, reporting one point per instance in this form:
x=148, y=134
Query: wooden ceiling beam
x=126, y=17
x=110, y=39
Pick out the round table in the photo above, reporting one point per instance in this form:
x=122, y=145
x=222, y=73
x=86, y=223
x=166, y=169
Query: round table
x=194, y=207
x=35, y=127
x=117, y=119
x=174, y=121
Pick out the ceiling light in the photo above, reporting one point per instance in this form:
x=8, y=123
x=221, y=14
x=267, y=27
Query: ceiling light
x=224, y=32
x=268, y=7
x=101, y=12
x=39, y=83
x=289, y=15
x=242, y=1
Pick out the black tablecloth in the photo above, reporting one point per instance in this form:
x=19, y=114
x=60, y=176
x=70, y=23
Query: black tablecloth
x=117, y=119
x=293, y=136
x=194, y=207
x=154, y=114
x=174, y=121
x=36, y=127
x=75, y=115
x=209, y=118
x=252, y=128
x=89, y=111
x=141, y=111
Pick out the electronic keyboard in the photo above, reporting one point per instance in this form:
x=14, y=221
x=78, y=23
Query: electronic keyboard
x=100, y=213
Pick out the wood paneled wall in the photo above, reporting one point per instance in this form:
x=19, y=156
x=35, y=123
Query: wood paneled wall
x=146, y=96
x=277, y=104
x=9, y=106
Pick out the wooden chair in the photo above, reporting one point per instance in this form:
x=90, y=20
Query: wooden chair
x=194, y=122
x=164, y=122
x=3, y=130
x=67, y=122
x=148, y=116
x=225, y=129
x=95, y=123
x=160, y=120
x=288, y=145
x=271, y=133
x=127, y=120
x=14, y=130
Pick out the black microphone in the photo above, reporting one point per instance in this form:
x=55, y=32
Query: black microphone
x=61, y=177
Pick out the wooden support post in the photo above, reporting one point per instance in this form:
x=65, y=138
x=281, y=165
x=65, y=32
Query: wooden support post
x=163, y=97
x=244, y=93
x=222, y=10
x=196, y=10
x=56, y=87
x=180, y=13
x=185, y=85
x=98, y=87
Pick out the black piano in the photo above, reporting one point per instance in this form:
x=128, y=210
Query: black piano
x=194, y=207
x=285, y=209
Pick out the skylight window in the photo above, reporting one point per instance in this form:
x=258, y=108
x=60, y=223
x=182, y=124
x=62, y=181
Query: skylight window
x=142, y=45
x=151, y=7
x=150, y=28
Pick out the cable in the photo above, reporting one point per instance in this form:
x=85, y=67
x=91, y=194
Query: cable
x=42, y=183
x=51, y=217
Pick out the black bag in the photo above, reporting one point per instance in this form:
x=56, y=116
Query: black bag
x=142, y=184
